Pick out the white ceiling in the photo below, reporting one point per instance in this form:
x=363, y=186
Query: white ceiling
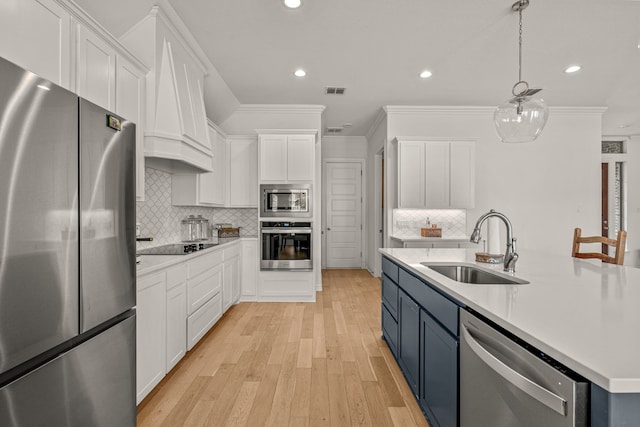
x=377, y=48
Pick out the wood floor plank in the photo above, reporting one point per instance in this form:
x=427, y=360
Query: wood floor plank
x=264, y=397
x=302, y=395
x=242, y=407
x=291, y=364
x=305, y=353
x=401, y=417
x=319, y=411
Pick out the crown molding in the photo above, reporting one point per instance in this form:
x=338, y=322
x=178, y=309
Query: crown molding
x=313, y=132
x=413, y=109
x=216, y=128
x=382, y=114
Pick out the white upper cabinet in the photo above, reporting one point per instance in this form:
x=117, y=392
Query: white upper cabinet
x=96, y=69
x=287, y=157
x=176, y=133
x=436, y=174
x=35, y=34
x=243, y=171
x=130, y=105
x=204, y=189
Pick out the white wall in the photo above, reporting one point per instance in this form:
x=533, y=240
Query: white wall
x=633, y=202
x=344, y=147
x=376, y=140
x=546, y=188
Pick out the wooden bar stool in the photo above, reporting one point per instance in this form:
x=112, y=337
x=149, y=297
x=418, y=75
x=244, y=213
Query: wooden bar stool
x=618, y=244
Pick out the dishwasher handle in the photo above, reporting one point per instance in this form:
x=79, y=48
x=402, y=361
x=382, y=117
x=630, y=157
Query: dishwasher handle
x=529, y=387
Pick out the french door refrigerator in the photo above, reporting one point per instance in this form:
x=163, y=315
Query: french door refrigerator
x=67, y=258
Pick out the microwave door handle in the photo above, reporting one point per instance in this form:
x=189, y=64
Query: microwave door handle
x=536, y=391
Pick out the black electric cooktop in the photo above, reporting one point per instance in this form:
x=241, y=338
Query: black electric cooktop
x=176, y=249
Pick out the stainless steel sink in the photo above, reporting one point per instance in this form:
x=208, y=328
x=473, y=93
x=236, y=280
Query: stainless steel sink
x=469, y=273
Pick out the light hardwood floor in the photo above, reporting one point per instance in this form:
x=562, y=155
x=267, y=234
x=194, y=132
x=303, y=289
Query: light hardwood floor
x=291, y=364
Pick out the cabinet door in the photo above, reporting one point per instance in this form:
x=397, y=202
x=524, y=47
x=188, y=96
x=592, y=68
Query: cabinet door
x=96, y=74
x=249, y=277
x=176, y=324
x=35, y=35
x=411, y=174
x=227, y=286
x=436, y=178
x=273, y=158
x=409, y=340
x=439, y=382
x=130, y=105
x=237, y=277
x=212, y=185
x=243, y=173
x=300, y=155
x=150, y=333
x=462, y=174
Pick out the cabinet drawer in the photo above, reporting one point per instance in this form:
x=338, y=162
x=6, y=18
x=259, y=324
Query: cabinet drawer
x=390, y=269
x=442, y=309
x=390, y=295
x=202, y=320
x=390, y=330
x=203, y=263
x=202, y=288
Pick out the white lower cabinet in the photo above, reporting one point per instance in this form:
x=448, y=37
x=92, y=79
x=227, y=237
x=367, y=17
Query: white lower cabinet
x=150, y=333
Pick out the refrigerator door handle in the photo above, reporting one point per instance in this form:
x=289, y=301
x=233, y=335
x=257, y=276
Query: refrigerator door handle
x=533, y=389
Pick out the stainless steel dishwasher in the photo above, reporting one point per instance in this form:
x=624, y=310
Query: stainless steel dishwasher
x=504, y=383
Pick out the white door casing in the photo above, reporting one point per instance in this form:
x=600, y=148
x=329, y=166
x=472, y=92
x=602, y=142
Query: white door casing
x=344, y=214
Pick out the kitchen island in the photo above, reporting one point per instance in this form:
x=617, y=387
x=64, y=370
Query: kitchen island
x=582, y=313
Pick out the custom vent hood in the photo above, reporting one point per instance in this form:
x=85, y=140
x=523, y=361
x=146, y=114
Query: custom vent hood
x=175, y=130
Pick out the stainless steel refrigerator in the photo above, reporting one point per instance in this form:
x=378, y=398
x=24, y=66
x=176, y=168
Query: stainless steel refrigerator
x=67, y=258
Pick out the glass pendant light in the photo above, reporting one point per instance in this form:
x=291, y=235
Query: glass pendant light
x=521, y=118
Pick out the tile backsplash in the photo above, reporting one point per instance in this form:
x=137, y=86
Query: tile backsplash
x=407, y=222
x=159, y=219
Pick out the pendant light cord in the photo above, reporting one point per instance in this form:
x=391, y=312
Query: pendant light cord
x=520, y=43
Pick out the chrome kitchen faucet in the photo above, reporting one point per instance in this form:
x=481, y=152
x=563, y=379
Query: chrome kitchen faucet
x=510, y=255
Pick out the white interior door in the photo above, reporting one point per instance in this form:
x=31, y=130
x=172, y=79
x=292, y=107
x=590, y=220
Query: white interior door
x=344, y=215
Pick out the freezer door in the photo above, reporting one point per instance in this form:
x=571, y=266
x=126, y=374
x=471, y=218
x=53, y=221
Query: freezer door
x=107, y=216
x=38, y=215
x=90, y=385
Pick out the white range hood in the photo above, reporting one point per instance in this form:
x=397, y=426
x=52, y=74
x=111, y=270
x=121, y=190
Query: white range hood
x=175, y=137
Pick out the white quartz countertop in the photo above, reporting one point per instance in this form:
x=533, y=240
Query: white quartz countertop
x=583, y=313
x=152, y=263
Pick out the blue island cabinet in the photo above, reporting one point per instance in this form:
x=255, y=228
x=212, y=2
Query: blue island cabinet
x=420, y=325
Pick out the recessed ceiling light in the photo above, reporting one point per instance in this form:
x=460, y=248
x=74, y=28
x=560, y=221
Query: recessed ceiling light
x=426, y=74
x=300, y=73
x=572, y=69
x=292, y=4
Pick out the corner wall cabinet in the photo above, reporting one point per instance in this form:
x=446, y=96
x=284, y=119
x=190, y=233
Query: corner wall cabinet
x=72, y=52
x=243, y=171
x=420, y=325
x=436, y=174
x=286, y=157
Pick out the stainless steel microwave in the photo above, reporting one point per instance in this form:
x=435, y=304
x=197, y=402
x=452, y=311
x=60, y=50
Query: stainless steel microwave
x=285, y=200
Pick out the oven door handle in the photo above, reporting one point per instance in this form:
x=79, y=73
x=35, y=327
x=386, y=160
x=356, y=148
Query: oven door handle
x=286, y=231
